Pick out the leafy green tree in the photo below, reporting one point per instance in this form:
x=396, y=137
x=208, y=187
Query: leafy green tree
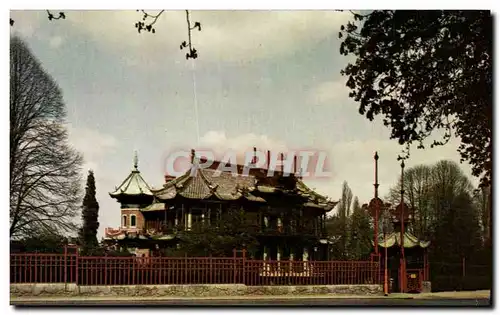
x=361, y=233
x=481, y=201
x=234, y=230
x=457, y=234
x=423, y=71
x=47, y=242
x=334, y=229
x=341, y=233
x=90, y=214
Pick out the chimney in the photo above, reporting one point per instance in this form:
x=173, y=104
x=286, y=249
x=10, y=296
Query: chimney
x=295, y=165
x=282, y=164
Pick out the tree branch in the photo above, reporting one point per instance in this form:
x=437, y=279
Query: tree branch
x=51, y=16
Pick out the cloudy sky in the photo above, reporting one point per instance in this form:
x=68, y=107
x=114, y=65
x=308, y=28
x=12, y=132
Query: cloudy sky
x=265, y=79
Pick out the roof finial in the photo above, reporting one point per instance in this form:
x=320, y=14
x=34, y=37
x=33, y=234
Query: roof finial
x=136, y=160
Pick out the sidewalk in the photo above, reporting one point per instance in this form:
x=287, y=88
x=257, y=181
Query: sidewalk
x=482, y=294
x=438, y=295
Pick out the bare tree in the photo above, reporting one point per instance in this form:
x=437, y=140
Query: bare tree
x=433, y=193
x=147, y=24
x=44, y=169
x=418, y=187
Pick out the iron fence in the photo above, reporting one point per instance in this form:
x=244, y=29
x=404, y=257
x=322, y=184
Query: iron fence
x=43, y=268
x=83, y=270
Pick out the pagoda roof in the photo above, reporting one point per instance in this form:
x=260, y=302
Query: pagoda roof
x=156, y=206
x=207, y=183
x=394, y=239
x=133, y=185
x=124, y=235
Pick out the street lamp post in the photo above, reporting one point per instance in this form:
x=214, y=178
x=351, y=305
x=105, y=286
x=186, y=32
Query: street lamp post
x=386, y=284
x=402, y=227
x=374, y=208
x=377, y=204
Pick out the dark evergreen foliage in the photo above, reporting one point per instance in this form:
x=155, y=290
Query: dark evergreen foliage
x=90, y=214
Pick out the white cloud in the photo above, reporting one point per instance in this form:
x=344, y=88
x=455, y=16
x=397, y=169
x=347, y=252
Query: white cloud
x=247, y=35
x=55, y=41
x=219, y=143
x=95, y=147
x=92, y=144
x=329, y=92
x=350, y=161
x=353, y=162
x=26, y=23
x=225, y=36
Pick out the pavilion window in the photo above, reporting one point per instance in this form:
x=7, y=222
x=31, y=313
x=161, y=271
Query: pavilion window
x=124, y=221
x=293, y=225
x=197, y=216
x=133, y=220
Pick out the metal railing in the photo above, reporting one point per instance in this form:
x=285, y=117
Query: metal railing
x=83, y=270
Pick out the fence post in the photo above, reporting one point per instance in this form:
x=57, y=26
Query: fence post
x=463, y=273
x=234, y=266
x=185, y=268
x=36, y=267
x=134, y=270
x=77, y=267
x=243, y=266
x=211, y=267
x=463, y=267
x=105, y=269
x=65, y=267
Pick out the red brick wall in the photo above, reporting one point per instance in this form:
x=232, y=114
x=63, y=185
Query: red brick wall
x=139, y=218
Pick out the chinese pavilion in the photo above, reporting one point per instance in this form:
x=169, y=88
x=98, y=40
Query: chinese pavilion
x=290, y=217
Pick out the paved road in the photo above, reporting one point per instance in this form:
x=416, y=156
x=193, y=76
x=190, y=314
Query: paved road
x=277, y=302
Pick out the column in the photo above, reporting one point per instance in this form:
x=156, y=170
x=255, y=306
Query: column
x=183, y=217
x=264, y=257
x=291, y=261
x=203, y=212
x=189, y=220
x=305, y=258
x=323, y=225
x=278, y=258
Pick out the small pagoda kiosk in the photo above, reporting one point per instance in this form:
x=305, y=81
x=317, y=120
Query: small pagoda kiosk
x=407, y=262
x=133, y=194
x=403, y=257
